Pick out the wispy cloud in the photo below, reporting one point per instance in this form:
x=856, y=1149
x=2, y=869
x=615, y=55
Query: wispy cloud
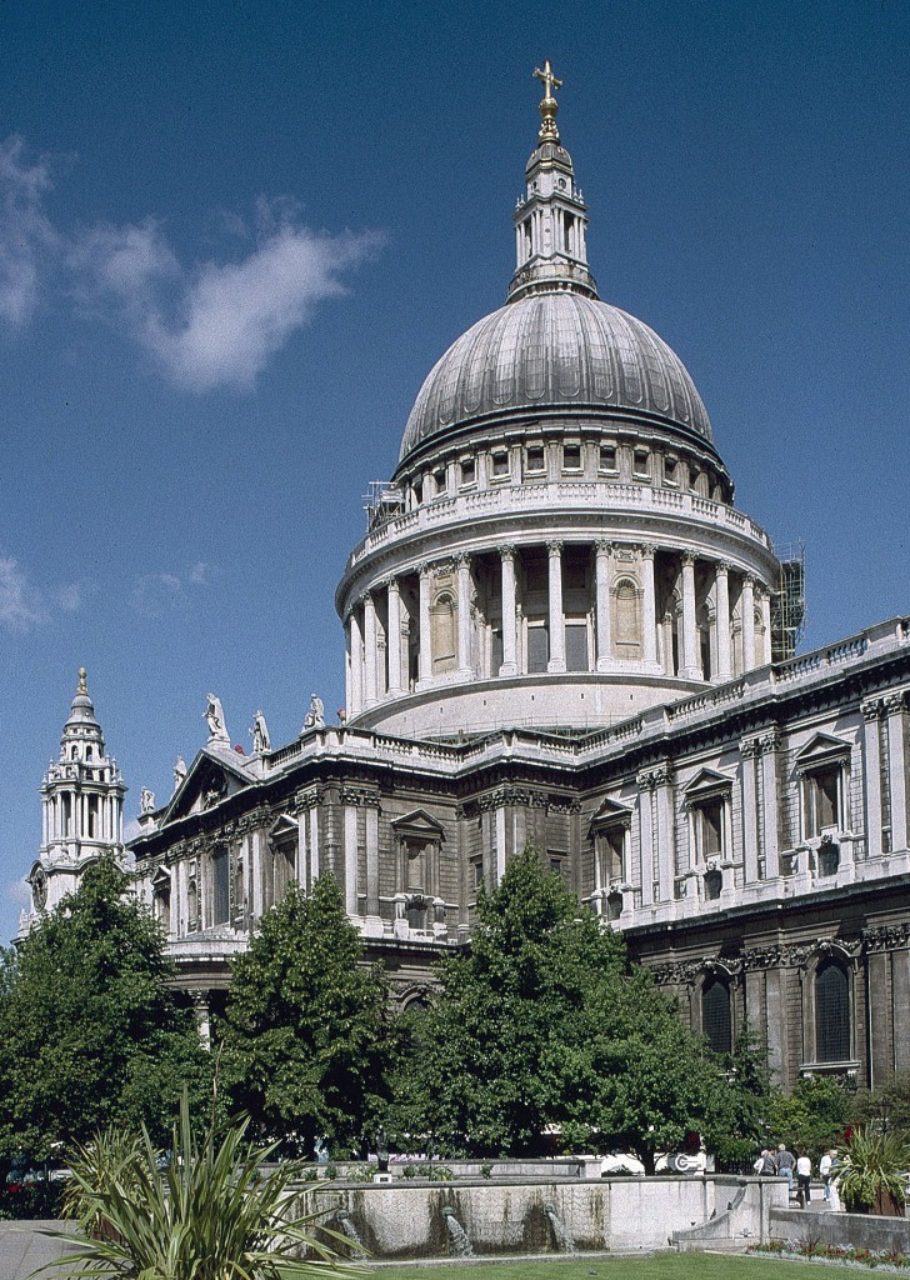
x=21, y=602
x=207, y=325
x=218, y=324
x=155, y=594
x=18, y=892
x=27, y=238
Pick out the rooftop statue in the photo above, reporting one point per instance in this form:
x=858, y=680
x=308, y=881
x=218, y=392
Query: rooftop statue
x=214, y=716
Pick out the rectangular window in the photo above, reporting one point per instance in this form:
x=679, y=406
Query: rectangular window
x=670, y=470
x=495, y=651
x=576, y=646
x=500, y=465
x=557, y=863
x=534, y=459
x=571, y=457
x=822, y=796
x=468, y=471
x=439, y=478
x=612, y=852
x=477, y=874
x=641, y=465
x=709, y=828
x=221, y=904
x=538, y=648
x=608, y=457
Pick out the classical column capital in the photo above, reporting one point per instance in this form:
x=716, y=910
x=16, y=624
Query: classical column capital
x=603, y=547
x=507, y=551
x=872, y=708
x=688, y=559
x=769, y=741
x=722, y=567
x=749, y=581
x=424, y=569
x=894, y=702
x=749, y=748
x=391, y=585
x=646, y=780
x=462, y=559
x=554, y=547
x=647, y=551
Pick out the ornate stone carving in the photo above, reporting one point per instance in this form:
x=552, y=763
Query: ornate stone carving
x=360, y=796
x=894, y=702
x=872, y=708
x=887, y=937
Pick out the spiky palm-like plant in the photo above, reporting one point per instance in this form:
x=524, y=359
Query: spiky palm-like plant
x=873, y=1173
x=213, y=1213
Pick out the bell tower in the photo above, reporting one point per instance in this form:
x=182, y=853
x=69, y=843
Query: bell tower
x=82, y=808
x=551, y=217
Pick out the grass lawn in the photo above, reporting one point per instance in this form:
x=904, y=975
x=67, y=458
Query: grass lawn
x=677, y=1266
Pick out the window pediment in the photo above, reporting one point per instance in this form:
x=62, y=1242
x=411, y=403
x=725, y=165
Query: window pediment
x=161, y=879
x=611, y=813
x=283, y=828
x=824, y=748
x=706, y=784
x=418, y=825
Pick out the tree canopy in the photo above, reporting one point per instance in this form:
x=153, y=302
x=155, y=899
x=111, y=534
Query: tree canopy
x=91, y=1031
x=545, y=1028
x=307, y=1027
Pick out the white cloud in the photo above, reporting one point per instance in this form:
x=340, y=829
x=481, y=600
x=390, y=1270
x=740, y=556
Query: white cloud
x=21, y=603
x=216, y=326
x=26, y=235
x=72, y=596
x=155, y=594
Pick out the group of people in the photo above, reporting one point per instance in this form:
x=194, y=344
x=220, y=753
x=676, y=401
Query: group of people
x=783, y=1164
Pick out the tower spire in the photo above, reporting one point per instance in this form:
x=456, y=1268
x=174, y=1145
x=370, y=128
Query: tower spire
x=550, y=218
x=548, y=106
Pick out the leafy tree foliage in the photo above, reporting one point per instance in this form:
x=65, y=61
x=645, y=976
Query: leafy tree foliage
x=306, y=1028
x=815, y=1115
x=546, y=1027
x=91, y=1032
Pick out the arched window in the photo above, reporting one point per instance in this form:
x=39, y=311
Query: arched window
x=716, y=1018
x=832, y=1012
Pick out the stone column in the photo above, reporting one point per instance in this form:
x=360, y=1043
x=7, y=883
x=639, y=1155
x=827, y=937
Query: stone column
x=748, y=616
x=749, y=752
x=350, y=859
x=371, y=816
x=648, y=605
x=557, y=620
x=897, y=768
x=646, y=836
x=872, y=767
x=722, y=614
x=463, y=579
x=770, y=745
x=393, y=640
x=370, y=648
x=356, y=703
x=257, y=842
x=200, y=1002
x=602, y=604
x=765, y=605
x=666, y=832
x=425, y=657
x=313, y=821
x=691, y=667
x=509, y=662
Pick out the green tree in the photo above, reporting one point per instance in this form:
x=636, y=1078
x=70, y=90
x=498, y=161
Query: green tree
x=815, y=1115
x=306, y=1028
x=546, y=1027
x=92, y=1032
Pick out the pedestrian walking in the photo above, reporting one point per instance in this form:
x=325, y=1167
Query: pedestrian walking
x=824, y=1170
x=803, y=1176
x=784, y=1164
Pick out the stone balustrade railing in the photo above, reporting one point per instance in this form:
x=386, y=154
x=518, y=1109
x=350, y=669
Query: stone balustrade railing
x=560, y=496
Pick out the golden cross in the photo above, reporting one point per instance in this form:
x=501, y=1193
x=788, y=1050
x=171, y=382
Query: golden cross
x=548, y=78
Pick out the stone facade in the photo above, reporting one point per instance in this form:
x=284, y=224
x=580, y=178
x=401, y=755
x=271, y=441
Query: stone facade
x=560, y=629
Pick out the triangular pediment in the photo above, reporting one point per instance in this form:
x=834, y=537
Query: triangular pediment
x=161, y=879
x=283, y=828
x=211, y=778
x=418, y=823
x=707, y=780
x=610, y=811
x=823, y=746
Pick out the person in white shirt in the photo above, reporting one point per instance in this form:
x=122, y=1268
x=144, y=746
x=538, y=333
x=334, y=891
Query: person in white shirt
x=824, y=1169
x=803, y=1174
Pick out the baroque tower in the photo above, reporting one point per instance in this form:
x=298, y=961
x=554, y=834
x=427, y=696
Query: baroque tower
x=82, y=808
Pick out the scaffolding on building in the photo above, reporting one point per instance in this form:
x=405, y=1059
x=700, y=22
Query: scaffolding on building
x=788, y=602
x=381, y=501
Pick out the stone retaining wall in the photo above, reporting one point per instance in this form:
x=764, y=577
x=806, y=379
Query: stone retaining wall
x=862, y=1230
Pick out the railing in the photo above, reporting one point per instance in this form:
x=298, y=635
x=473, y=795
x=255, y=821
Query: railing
x=589, y=494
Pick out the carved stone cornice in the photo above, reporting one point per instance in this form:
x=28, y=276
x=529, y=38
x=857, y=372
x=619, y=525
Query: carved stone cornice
x=308, y=798
x=687, y=973
x=360, y=796
x=796, y=955
x=887, y=937
x=523, y=797
x=659, y=775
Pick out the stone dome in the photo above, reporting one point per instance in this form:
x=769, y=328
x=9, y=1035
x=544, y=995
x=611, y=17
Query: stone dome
x=555, y=350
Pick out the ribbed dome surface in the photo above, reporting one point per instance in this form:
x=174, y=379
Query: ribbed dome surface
x=550, y=351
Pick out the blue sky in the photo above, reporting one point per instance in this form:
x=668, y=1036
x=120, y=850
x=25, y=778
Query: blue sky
x=235, y=236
